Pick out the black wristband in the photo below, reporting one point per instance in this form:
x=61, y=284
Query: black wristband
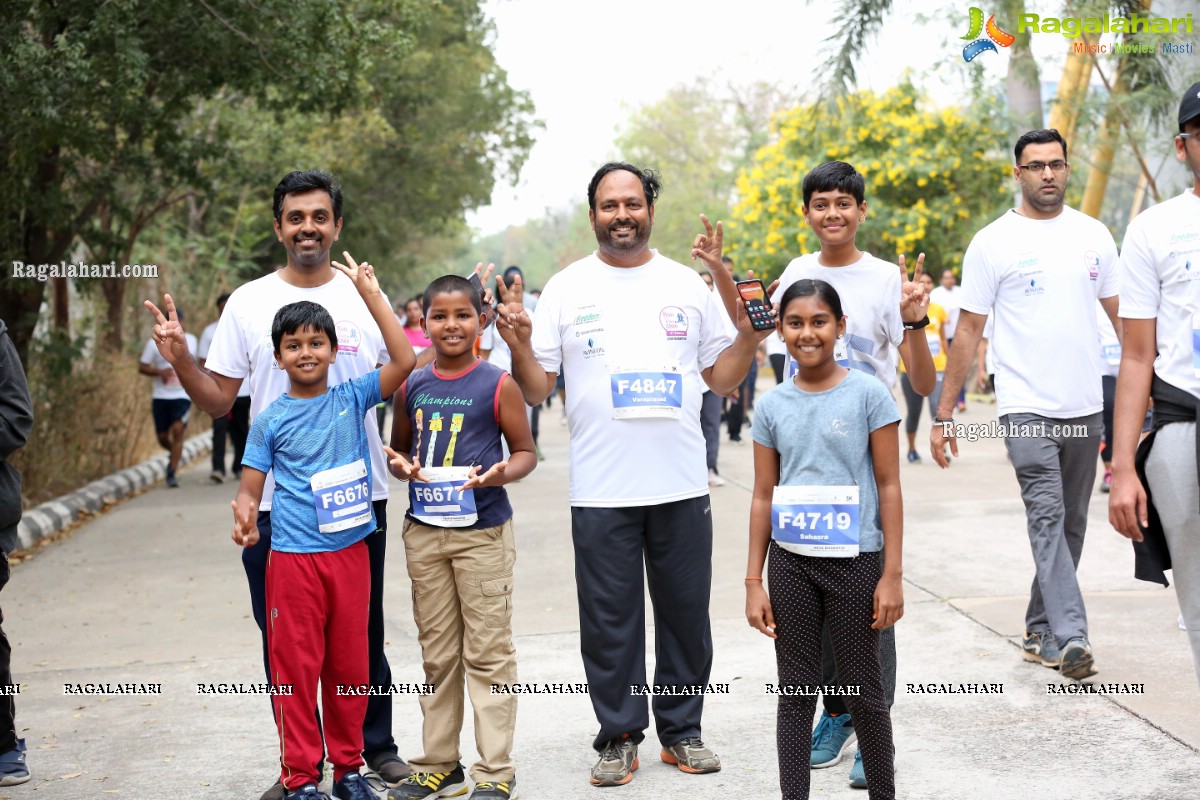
x=916, y=326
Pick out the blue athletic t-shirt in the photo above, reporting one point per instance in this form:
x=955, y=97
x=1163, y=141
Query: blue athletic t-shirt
x=300, y=439
x=824, y=439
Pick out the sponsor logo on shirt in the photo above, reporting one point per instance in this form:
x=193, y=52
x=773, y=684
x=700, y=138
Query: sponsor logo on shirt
x=1034, y=288
x=1092, y=259
x=349, y=336
x=584, y=319
x=593, y=349
x=674, y=322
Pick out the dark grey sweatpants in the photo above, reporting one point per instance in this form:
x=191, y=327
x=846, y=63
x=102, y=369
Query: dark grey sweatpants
x=672, y=544
x=1056, y=470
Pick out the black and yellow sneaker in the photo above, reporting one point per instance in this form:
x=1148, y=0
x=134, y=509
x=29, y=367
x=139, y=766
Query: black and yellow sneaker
x=497, y=790
x=428, y=785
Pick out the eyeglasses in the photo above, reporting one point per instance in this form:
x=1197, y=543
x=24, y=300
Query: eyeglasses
x=1186, y=136
x=1038, y=167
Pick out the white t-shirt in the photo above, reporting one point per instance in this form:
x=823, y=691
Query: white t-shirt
x=169, y=388
x=870, y=294
x=1160, y=279
x=242, y=348
x=593, y=320
x=1043, y=278
x=206, y=338
x=1110, y=345
x=949, y=300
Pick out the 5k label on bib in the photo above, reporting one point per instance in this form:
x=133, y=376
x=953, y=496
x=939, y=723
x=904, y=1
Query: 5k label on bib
x=818, y=521
x=439, y=503
x=647, y=394
x=342, y=497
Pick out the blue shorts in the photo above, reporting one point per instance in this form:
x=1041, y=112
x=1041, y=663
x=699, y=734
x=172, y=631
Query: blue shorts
x=166, y=412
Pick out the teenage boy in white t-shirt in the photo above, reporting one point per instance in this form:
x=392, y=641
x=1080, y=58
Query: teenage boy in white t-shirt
x=308, y=220
x=639, y=337
x=1160, y=358
x=885, y=316
x=1041, y=268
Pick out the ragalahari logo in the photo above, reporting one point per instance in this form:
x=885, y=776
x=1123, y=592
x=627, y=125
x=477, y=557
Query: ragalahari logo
x=981, y=44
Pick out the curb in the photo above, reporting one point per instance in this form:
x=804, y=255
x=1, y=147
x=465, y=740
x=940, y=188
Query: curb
x=54, y=515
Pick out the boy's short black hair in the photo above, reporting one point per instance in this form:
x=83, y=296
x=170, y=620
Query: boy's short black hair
x=306, y=181
x=835, y=176
x=1042, y=136
x=449, y=284
x=651, y=181
x=303, y=314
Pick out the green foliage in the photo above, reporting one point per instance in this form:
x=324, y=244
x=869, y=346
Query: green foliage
x=933, y=178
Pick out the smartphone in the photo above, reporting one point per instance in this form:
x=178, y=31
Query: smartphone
x=489, y=309
x=758, y=307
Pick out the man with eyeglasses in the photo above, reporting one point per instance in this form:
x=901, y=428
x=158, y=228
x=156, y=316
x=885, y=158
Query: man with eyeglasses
x=1040, y=269
x=1160, y=359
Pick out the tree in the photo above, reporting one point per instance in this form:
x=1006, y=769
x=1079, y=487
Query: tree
x=928, y=174
x=100, y=97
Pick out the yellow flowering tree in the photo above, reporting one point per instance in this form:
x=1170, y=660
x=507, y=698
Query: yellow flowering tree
x=933, y=178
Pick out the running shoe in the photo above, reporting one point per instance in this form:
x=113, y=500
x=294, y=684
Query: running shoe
x=618, y=761
x=216, y=477
x=13, y=769
x=1106, y=484
x=428, y=785
x=499, y=790
x=171, y=481
x=714, y=479
x=1077, y=661
x=308, y=791
x=391, y=768
x=691, y=756
x=1182, y=627
x=1041, y=647
x=276, y=792
x=355, y=786
x=858, y=775
x=830, y=739
x=914, y=457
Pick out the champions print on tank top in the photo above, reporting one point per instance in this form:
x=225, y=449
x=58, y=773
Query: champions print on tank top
x=456, y=426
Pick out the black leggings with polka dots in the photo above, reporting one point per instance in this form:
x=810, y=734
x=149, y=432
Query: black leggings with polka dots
x=806, y=591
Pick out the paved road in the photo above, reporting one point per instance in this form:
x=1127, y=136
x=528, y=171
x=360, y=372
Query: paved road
x=153, y=592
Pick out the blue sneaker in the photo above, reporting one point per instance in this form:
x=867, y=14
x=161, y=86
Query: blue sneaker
x=830, y=739
x=355, y=786
x=308, y=791
x=858, y=775
x=13, y=769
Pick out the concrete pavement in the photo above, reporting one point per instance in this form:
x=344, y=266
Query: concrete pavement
x=152, y=591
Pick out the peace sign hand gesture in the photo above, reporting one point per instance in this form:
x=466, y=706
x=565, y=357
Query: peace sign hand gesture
x=512, y=320
x=914, y=303
x=168, y=332
x=245, y=521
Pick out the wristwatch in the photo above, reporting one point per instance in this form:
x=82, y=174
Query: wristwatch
x=916, y=326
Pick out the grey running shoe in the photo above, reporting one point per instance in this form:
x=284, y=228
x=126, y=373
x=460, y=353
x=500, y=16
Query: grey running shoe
x=1051, y=657
x=691, y=756
x=618, y=761
x=391, y=768
x=1077, y=660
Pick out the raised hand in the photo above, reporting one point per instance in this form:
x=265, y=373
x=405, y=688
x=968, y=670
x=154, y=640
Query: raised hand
x=707, y=246
x=913, y=301
x=402, y=469
x=245, y=522
x=493, y=477
x=512, y=320
x=363, y=275
x=485, y=275
x=168, y=332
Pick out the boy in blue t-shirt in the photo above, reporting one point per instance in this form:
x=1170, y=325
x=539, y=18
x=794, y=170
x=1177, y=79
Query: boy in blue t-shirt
x=314, y=440
x=458, y=543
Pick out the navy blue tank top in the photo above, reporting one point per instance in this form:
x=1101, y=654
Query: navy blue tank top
x=456, y=423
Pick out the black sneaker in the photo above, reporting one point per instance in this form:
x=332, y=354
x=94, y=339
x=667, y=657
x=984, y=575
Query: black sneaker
x=391, y=768
x=428, y=785
x=308, y=791
x=355, y=786
x=498, y=790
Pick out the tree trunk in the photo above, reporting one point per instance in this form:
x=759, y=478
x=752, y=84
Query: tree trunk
x=1023, y=82
x=1072, y=90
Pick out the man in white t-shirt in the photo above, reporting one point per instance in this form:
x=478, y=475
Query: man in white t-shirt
x=308, y=220
x=639, y=337
x=1160, y=359
x=1041, y=268
x=169, y=402
x=234, y=425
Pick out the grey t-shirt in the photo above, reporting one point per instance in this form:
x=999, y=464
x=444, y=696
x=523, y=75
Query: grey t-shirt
x=823, y=439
